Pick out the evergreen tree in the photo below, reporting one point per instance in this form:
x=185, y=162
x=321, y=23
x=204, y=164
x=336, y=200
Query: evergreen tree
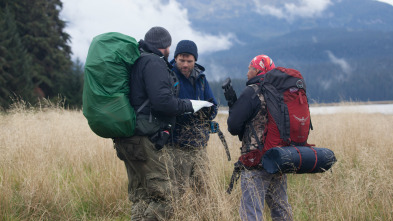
x=41, y=32
x=35, y=58
x=73, y=85
x=15, y=63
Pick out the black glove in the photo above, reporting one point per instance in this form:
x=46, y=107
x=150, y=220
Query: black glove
x=160, y=139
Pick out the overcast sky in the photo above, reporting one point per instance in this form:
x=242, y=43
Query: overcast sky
x=86, y=19
x=390, y=2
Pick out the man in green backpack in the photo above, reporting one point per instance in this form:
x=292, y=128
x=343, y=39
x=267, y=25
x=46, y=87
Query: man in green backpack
x=153, y=95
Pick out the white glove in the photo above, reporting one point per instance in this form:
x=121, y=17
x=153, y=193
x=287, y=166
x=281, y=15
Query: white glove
x=197, y=104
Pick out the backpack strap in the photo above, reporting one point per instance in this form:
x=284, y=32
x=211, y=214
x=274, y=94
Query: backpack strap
x=277, y=109
x=175, y=82
x=260, y=145
x=202, y=79
x=257, y=90
x=143, y=105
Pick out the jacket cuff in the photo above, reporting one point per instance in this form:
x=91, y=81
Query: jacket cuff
x=188, y=106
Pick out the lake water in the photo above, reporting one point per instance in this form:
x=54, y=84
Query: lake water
x=363, y=108
x=366, y=108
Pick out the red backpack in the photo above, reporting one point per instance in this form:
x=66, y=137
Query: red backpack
x=289, y=121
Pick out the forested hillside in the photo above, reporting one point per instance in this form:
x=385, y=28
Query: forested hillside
x=344, y=52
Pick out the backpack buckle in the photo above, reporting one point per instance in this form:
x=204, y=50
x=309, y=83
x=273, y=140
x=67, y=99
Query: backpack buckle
x=299, y=83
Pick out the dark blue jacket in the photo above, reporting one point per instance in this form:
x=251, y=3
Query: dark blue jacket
x=192, y=130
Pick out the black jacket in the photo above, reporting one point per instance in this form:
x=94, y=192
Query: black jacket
x=244, y=109
x=150, y=79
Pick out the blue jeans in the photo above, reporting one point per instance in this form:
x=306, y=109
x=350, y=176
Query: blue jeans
x=258, y=186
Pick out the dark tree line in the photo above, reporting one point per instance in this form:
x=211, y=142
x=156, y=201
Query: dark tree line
x=35, y=56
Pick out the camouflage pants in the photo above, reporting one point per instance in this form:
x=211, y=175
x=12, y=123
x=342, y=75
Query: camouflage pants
x=151, y=178
x=258, y=186
x=190, y=168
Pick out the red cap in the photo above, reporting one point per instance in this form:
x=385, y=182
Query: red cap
x=262, y=63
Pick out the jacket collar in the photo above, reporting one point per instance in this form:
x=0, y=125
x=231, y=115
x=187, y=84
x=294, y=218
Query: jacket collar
x=255, y=80
x=146, y=47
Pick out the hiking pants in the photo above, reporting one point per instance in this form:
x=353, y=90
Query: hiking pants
x=258, y=186
x=151, y=178
x=190, y=168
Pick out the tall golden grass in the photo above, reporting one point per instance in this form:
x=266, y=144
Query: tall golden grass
x=53, y=167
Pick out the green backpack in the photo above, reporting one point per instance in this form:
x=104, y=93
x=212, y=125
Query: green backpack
x=106, y=105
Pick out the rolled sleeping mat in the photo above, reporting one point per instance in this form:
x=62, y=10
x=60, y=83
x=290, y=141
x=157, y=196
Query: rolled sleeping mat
x=298, y=159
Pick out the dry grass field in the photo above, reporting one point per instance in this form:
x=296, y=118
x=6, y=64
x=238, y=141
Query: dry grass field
x=52, y=167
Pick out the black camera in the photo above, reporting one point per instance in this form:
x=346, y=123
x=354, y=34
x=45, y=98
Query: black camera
x=230, y=94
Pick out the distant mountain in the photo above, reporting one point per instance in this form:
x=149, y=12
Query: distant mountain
x=344, y=52
x=247, y=18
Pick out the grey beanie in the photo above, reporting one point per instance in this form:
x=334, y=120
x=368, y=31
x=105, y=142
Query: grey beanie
x=187, y=46
x=158, y=37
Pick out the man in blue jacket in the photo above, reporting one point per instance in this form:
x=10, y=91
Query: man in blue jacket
x=191, y=132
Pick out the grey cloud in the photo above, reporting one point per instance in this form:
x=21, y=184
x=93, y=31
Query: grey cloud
x=86, y=19
x=290, y=10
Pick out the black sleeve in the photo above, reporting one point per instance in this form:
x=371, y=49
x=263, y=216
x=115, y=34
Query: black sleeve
x=243, y=110
x=159, y=90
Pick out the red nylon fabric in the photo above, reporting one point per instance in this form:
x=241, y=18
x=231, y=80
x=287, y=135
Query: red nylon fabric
x=299, y=115
x=273, y=135
x=251, y=159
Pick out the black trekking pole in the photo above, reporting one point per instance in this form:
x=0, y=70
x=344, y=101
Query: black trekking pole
x=215, y=128
x=237, y=169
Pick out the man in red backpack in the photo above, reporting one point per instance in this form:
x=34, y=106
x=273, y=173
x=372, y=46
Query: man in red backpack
x=247, y=119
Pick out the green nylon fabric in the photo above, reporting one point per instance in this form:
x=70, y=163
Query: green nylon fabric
x=106, y=85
